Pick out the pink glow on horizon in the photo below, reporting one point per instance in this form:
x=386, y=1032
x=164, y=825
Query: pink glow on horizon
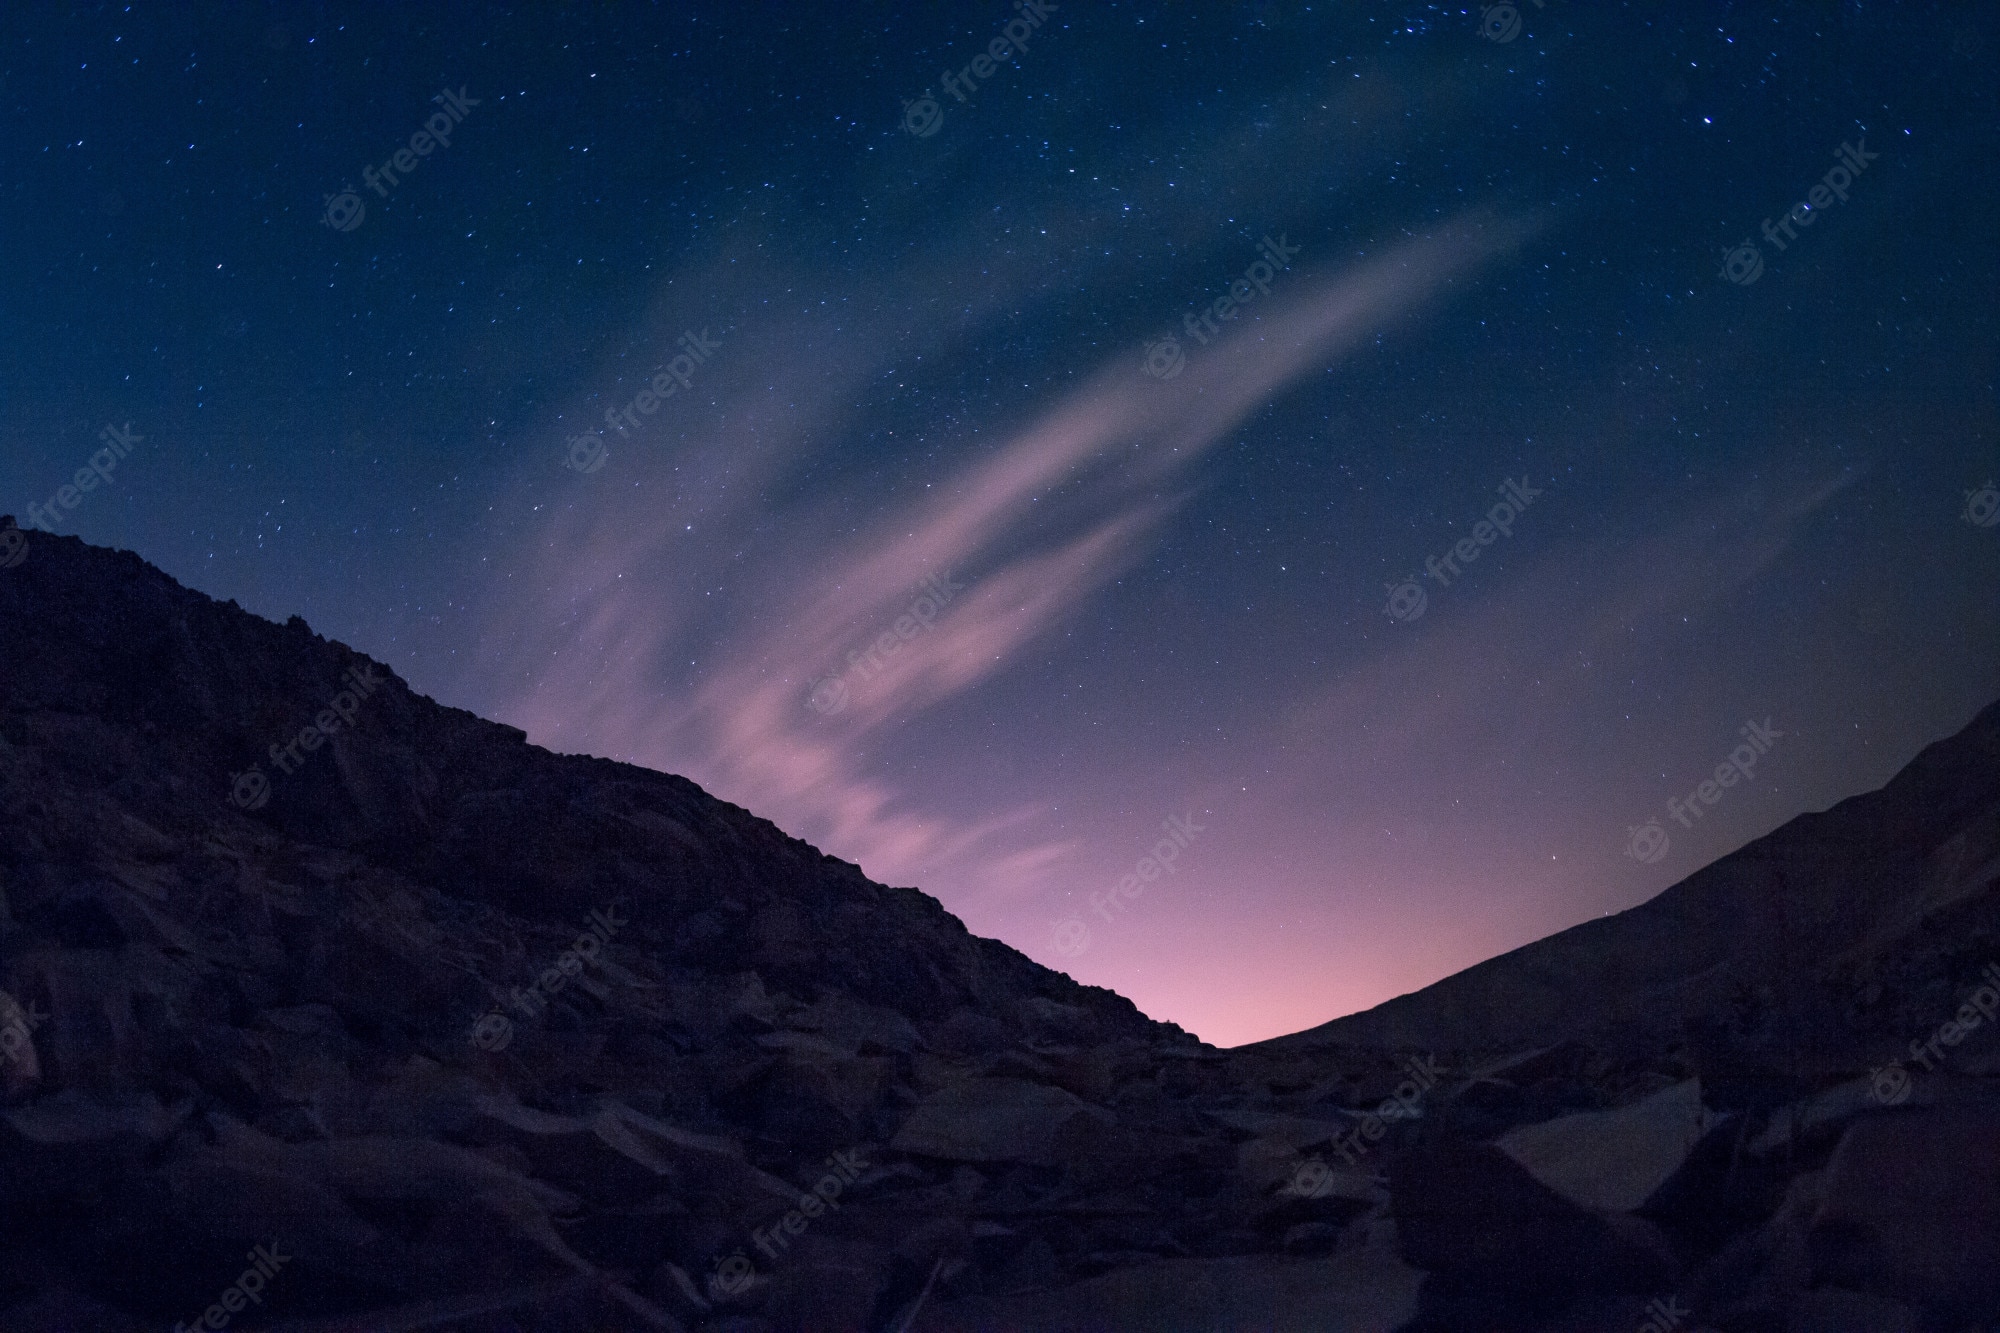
x=1033, y=532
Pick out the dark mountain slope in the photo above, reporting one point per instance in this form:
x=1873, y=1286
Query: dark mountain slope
x=119, y=686
x=431, y=1028
x=1782, y=919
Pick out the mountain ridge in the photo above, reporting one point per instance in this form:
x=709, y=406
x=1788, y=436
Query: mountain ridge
x=1940, y=796
x=438, y=792
x=485, y=1037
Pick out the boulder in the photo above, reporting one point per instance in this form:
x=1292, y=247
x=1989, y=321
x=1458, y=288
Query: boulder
x=1911, y=1210
x=997, y=1120
x=1475, y=1214
x=617, y=1154
x=1831, y=1310
x=1613, y=1160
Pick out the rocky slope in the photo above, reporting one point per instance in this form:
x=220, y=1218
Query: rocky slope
x=325, y=1007
x=1827, y=900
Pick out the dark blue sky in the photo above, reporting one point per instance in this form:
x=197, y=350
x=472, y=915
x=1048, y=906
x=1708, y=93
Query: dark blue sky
x=928, y=358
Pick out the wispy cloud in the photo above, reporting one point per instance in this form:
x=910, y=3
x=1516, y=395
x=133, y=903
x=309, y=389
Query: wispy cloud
x=1033, y=531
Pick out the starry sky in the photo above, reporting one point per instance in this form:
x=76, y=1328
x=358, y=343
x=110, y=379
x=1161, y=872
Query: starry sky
x=1258, y=505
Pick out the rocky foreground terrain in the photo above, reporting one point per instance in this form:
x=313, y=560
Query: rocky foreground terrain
x=325, y=1007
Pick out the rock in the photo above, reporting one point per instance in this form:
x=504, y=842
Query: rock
x=1826, y=1110
x=1366, y=1291
x=857, y=1028
x=20, y=1067
x=1911, y=1210
x=969, y=1032
x=218, y=1195
x=348, y=1000
x=72, y=1141
x=72, y=1117
x=1761, y=1271
x=824, y=1282
x=1310, y=1238
x=1472, y=1212
x=1052, y=1021
x=997, y=1120
x=618, y=1155
x=816, y=1093
x=1831, y=1310
x=1272, y=1164
x=1613, y=1160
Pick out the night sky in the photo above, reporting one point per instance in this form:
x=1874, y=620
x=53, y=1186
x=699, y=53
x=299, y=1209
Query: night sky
x=967, y=536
